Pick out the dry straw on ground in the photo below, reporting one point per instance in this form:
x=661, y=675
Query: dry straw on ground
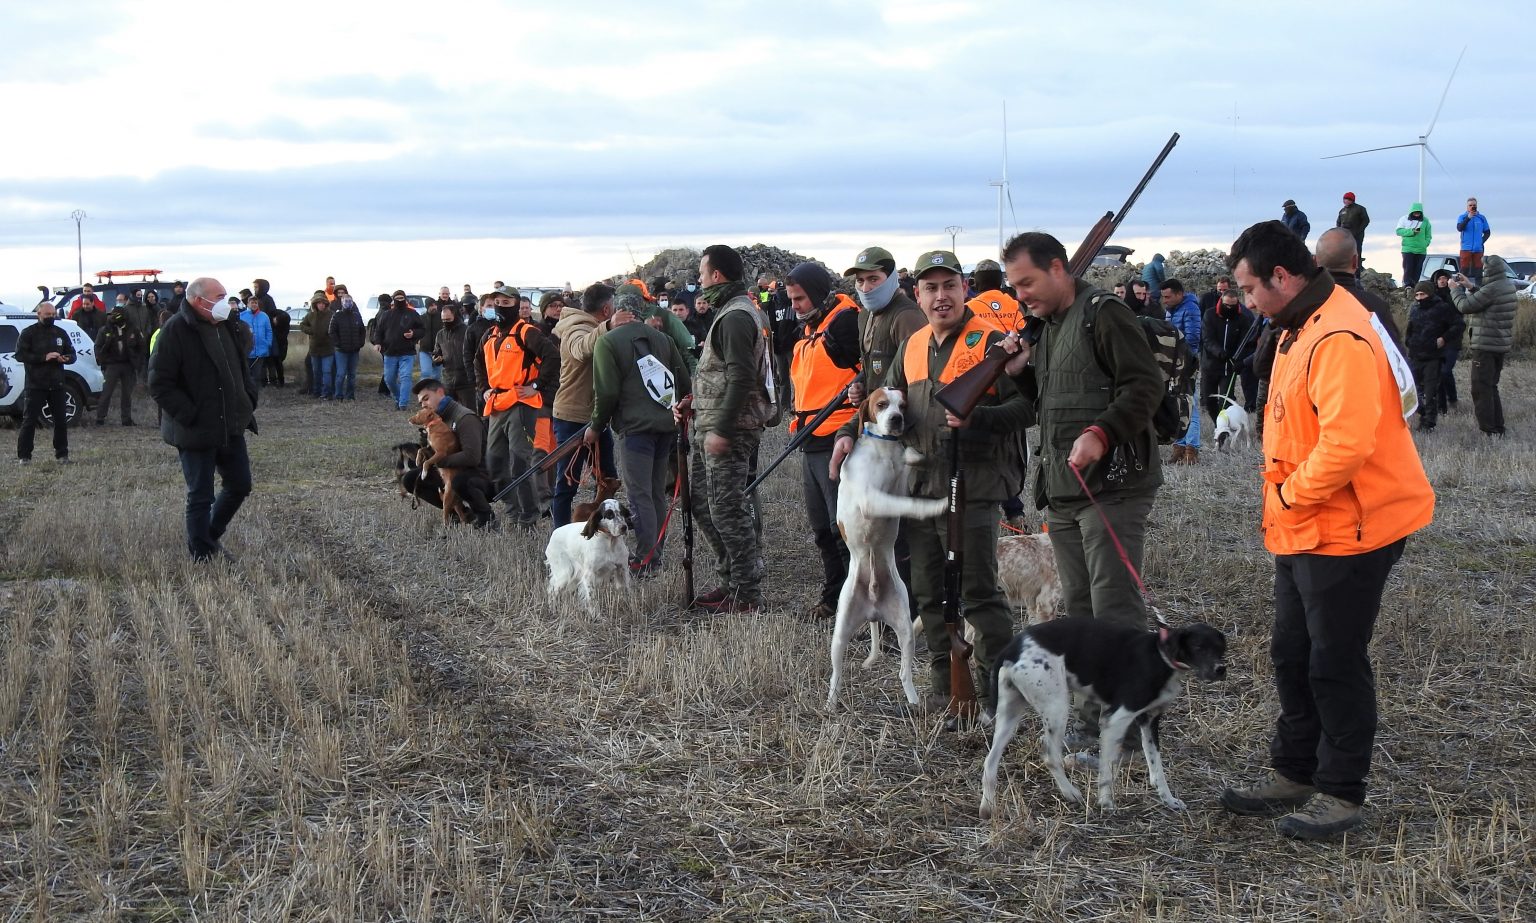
x=364, y=719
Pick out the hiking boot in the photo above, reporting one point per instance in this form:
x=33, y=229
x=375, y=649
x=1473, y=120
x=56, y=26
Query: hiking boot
x=1322, y=817
x=1176, y=457
x=1272, y=796
x=709, y=598
x=729, y=603
x=488, y=522
x=1191, y=455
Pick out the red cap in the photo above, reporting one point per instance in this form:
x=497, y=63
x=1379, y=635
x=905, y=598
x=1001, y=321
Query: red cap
x=1350, y=196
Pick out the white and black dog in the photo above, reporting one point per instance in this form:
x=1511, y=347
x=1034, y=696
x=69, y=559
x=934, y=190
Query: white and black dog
x=869, y=505
x=1233, y=425
x=590, y=553
x=1132, y=673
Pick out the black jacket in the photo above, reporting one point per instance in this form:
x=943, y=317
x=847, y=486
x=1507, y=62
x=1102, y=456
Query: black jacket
x=200, y=377
x=1223, y=336
x=38, y=341
x=118, y=345
x=282, y=322
x=450, y=355
x=1372, y=302
x=389, y=331
x=348, y=334
x=1428, y=321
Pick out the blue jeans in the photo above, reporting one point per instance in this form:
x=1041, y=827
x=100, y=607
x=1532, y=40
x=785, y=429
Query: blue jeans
x=322, y=375
x=207, y=518
x=346, y=376
x=429, y=369
x=565, y=488
x=1192, y=435
x=397, y=375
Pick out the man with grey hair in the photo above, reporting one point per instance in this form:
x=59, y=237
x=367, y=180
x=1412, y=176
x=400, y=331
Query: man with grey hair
x=199, y=376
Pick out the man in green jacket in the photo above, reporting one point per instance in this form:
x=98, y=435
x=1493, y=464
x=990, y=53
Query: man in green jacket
x=1416, y=233
x=638, y=374
x=732, y=402
x=1096, y=386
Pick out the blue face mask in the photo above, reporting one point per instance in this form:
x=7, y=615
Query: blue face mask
x=876, y=300
x=488, y=313
x=692, y=287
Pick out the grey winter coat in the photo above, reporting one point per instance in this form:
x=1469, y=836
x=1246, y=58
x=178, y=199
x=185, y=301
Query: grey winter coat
x=1490, y=309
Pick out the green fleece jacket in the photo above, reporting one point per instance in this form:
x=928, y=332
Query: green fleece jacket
x=1416, y=235
x=619, y=395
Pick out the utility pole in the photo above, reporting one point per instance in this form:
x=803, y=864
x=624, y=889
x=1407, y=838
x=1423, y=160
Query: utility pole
x=952, y=230
x=79, y=216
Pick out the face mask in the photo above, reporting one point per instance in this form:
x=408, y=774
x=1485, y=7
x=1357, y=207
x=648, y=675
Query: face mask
x=45, y=321
x=692, y=287
x=221, y=311
x=449, y=320
x=488, y=313
x=347, y=302
x=881, y=296
x=664, y=303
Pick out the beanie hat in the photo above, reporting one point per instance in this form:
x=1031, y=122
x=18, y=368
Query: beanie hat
x=1350, y=196
x=814, y=280
x=1427, y=287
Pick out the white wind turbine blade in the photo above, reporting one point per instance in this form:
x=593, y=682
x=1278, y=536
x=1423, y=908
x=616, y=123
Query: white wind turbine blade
x=1431, y=151
x=1443, y=93
x=1390, y=147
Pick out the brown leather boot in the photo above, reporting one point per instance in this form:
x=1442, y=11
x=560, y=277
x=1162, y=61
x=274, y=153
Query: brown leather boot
x=1191, y=455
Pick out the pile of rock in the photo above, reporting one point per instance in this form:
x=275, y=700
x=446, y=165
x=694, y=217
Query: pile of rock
x=681, y=264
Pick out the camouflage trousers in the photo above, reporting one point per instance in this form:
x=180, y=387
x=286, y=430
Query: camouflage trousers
x=725, y=515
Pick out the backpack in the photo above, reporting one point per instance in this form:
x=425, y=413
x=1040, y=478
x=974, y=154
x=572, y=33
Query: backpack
x=1170, y=421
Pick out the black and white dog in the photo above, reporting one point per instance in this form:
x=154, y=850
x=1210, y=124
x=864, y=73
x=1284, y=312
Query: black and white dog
x=1132, y=673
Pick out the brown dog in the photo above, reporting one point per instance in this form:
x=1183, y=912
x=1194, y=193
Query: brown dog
x=441, y=443
x=1026, y=568
x=607, y=489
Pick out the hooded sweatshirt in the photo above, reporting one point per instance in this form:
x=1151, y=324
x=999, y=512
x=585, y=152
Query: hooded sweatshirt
x=1416, y=233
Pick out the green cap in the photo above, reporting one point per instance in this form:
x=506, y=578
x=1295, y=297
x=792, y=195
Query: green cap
x=872, y=258
x=936, y=259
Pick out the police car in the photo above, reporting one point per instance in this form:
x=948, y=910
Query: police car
x=82, y=378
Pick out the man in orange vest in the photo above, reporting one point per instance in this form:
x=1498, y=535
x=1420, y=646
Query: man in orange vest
x=1343, y=489
x=991, y=453
x=517, y=368
x=822, y=364
x=994, y=304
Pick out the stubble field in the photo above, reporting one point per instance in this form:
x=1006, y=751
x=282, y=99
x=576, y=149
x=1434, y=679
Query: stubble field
x=361, y=718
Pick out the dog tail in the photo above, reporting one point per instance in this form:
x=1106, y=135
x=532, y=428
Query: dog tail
x=1228, y=400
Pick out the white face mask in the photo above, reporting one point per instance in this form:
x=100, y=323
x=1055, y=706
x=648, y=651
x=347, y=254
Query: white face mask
x=221, y=311
x=663, y=302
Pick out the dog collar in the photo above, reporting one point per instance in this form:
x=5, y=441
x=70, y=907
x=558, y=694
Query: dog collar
x=874, y=435
x=1162, y=651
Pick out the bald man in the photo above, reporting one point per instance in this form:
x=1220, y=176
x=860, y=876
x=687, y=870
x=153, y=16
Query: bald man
x=1336, y=252
x=199, y=376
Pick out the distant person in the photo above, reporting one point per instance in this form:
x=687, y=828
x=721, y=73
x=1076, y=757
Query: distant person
x=272, y=370
x=426, y=347
x=1416, y=234
x=1141, y=301
x=1355, y=219
x=1213, y=297
x=1431, y=325
x=1120, y=291
x=479, y=318
x=516, y=372
x=87, y=310
x=458, y=380
x=1227, y=342
x=178, y=296
x=1184, y=313
x=1295, y=219
x=44, y=349
x=991, y=303
x=395, y=334
x=118, y=346
x=261, y=338
x=1343, y=488
x=1154, y=273
x=331, y=293
x=207, y=399
x=1474, y=234
x=141, y=317
x=321, y=354
x=1442, y=280
x=349, y=335
x=1336, y=253
x=1490, y=311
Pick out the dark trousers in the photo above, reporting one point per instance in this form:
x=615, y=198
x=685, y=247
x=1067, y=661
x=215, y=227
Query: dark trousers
x=471, y=486
x=258, y=364
x=1426, y=377
x=207, y=517
x=1413, y=267
x=117, y=378
x=1448, y=377
x=568, y=472
x=1217, y=378
x=1487, y=367
x=821, y=510
x=1325, y=613
x=273, y=370
x=645, y=459
x=37, y=399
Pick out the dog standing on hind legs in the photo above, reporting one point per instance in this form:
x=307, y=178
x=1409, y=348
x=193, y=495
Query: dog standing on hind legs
x=868, y=507
x=1132, y=673
x=442, y=443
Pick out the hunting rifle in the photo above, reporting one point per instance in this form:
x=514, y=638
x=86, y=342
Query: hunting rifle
x=962, y=687
x=960, y=396
x=802, y=435
x=685, y=504
x=571, y=444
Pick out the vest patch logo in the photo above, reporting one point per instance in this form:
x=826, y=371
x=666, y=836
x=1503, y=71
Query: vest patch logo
x=996, y=305
x=972, y=338
x=1278, y=411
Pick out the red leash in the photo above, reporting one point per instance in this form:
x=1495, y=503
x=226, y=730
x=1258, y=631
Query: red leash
x=1125, y=557
x=677, y=491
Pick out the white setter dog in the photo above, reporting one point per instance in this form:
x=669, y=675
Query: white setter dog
x=591, y=553
x=869, y=503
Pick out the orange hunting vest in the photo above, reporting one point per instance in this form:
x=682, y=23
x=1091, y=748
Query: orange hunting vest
x=817, y=379
x=970, y=346
x=998, y=307
x=509, y=365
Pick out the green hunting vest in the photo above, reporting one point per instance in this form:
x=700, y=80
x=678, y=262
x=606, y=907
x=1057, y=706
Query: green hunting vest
x=758, y=410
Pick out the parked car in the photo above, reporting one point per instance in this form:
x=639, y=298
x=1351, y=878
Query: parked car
x=83, y=377
x=1522, y=269
x=1434, y=262
x=1112, y=255
x=418, y=302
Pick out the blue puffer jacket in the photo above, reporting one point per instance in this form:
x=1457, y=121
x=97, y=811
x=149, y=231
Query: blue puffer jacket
x=261, y=333
x=1474, y=232
x=1186, y=316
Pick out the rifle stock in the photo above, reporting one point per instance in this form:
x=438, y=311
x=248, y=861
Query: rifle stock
x=571, y=444
x=961, y=395
x=962, y=687
x=685, y=501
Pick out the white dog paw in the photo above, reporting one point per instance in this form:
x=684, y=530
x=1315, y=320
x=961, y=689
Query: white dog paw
x=987, y=810
x=1073, y=794
x=1175, y=804
x=912, y=456
x=1106, y=802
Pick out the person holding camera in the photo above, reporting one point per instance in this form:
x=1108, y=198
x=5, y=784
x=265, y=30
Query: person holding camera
x=1490, y=312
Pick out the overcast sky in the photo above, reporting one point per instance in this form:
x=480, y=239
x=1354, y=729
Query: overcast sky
x=420, y=144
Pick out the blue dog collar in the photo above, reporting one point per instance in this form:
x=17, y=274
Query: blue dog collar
x=874, y=435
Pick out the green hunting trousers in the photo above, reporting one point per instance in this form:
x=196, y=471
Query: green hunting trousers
x=725, y=515
x=1094, y=580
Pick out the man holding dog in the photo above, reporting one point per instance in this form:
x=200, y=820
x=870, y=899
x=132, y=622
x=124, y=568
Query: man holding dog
x=470, y=481
x=991, y=453
x=1343, y=490
x=516, y=366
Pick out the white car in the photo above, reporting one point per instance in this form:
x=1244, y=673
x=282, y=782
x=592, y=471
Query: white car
x=83, y=380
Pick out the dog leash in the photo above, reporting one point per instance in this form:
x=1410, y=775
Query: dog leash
x=677, y=491
x=1125, y=557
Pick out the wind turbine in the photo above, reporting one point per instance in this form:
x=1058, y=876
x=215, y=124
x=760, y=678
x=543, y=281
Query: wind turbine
x=1423, y=143
x=1003, y=190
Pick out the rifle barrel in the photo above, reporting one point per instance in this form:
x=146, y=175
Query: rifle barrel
x=560, y=451
x=801, y=436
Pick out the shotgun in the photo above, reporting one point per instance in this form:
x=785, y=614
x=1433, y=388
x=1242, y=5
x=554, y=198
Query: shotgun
x=685, y=504
x=802, y=435
x=571, y=444
x=962, y=688
x=960, y=396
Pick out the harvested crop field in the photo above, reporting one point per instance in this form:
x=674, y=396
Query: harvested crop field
x=363, y=719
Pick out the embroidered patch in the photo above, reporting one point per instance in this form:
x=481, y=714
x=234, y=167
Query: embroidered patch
x=964, y=363
x=862, y=257
x=996, y=306
x=972, y=338
x=1279, y=408
x=937, y=259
